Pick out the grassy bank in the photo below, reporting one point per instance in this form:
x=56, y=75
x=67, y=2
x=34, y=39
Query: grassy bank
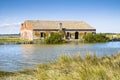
x=20, y=41
x=72, y=68
x=14, y=41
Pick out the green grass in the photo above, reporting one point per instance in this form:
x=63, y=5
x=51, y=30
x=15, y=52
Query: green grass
x=72, y=68
x=20, y=41
x=14, y=41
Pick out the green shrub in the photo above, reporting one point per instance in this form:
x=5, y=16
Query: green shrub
x=55, y=38
x=95, y=38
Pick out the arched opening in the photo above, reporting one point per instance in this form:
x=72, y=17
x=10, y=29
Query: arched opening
x=42, y=35
x=76, y=35
x=68, y=35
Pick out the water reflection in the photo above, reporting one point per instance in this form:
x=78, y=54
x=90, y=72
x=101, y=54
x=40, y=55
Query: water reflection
x=18, y=57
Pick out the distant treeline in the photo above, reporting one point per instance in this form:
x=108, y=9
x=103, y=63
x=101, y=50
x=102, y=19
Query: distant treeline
x=110, y=33
x=10, y=35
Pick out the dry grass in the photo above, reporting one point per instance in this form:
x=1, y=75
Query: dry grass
x=110, y=36
x=73, y=68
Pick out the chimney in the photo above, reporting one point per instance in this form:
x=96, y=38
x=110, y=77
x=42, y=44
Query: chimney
x=60, y=25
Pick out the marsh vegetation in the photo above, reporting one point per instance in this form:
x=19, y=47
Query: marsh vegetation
x=55, y=38
x=72, y=68
x=95, y=38
x=14, y=41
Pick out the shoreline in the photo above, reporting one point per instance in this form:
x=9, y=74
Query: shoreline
x=9, y=41
x=41, y=42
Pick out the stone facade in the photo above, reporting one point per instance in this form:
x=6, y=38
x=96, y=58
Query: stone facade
x=32, y=30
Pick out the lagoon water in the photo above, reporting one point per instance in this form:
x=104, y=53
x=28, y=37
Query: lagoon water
x=19, y=57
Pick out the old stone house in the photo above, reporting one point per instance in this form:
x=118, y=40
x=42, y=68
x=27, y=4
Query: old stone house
x=37, y=29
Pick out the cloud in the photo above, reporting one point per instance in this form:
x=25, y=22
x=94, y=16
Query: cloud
x=9, y=28
x=9, y=24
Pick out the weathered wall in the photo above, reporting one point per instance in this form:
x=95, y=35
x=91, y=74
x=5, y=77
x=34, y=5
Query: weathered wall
x=80, y=33
x=26, y=32
x=27, y=35
x=36, y=35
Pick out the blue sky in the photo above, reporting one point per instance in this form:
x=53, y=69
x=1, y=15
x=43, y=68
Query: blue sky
x=104, y=15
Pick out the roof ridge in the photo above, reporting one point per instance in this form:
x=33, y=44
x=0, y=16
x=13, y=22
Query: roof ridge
x=55, y=20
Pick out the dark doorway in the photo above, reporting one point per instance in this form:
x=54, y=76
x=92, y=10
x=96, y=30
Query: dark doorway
x=42, y=34
x=76, y=35
x=68, y=35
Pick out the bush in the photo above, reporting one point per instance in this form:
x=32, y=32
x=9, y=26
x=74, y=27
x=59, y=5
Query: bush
x=55, y=38
x=95, y=38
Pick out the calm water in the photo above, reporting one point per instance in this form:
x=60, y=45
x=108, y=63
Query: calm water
x=19, y=57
